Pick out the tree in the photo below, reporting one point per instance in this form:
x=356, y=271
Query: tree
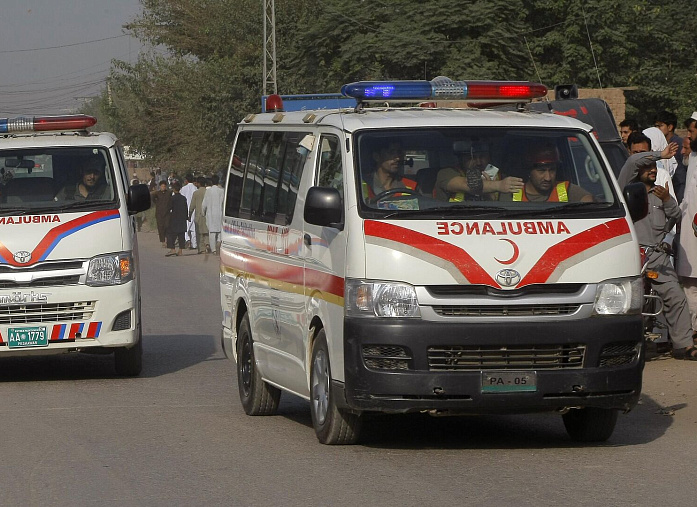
x=180, y=103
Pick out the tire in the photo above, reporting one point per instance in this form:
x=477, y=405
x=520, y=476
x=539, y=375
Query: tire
x=333, y=425
x=590, y=424
x=129, y=361
x=257, y=397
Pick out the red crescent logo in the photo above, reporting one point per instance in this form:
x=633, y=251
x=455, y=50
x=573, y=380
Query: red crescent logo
x=516, y=253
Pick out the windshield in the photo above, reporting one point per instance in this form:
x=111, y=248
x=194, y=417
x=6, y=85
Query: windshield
x=53, y=179
x=470, y=171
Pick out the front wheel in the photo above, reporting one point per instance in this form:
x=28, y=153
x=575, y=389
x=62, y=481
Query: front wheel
x=333, y=425
x=129, y=361
x=590, y=424
x=257, y=397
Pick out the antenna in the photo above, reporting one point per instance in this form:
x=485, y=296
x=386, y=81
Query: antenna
x=270, y=45
x=539, y=78
x=591, y=45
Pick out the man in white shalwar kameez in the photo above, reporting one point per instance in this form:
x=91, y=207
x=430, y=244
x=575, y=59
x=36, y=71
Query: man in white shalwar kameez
x=687, y=249
x=212, y=208
x=187, y=191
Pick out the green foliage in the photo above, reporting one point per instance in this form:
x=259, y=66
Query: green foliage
x=180, y=103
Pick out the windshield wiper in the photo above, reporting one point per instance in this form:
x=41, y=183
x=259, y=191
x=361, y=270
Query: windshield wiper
x=14, y=211
x=458, y=208
x=574, y=206
x=85, y=204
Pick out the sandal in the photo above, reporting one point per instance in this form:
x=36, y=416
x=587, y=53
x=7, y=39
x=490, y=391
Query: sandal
x=170, y=254
x=688, y=353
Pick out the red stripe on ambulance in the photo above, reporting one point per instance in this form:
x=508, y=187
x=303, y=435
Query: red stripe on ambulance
x=463, y=261
x=574, y=245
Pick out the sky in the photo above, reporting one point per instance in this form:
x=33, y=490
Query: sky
x=56, y=53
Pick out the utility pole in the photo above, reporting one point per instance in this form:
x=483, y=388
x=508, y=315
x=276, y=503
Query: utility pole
x=269, y=47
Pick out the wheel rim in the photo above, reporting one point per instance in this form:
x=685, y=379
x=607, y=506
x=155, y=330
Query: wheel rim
x=246, y=367
x=320, y=386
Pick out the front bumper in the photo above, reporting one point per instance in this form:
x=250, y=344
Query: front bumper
x=596, y=382
x=76, y=318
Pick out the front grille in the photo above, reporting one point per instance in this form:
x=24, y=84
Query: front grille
x=37, y=312
x=52, y=281
x=523, y=357
x=386, y=357
x=43, y=266
x=504, y=310
x=618, y=354
x=484, y=290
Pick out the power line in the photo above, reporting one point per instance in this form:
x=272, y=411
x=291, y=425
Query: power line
x=64, y=45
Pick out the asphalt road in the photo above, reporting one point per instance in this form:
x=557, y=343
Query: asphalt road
x=73, y=433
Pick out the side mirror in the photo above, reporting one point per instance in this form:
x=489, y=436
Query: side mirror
x=323, y=206
x=637, y=200
x=138, y=198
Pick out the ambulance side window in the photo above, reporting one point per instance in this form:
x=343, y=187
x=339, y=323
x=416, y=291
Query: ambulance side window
x=235, y=177
x=252, y=180
x=271, y=177
x=330, y=170
x=293, y=164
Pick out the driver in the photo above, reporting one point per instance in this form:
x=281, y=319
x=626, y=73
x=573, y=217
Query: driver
x=388, y=161
x=91, y=185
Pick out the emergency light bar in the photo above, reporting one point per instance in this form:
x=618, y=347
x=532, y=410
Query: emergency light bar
x=444, y=89
x=46, y=123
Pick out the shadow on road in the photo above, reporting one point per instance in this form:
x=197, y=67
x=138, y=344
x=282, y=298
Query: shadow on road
x=646, y=423
x=161, y=355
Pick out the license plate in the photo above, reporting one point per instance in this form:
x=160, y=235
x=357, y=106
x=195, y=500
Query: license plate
x=20, y=337
x=509, y=381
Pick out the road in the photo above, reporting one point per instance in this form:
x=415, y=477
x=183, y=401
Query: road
x=73, y=433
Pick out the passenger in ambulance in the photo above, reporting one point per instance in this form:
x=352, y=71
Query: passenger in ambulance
x=388, y=160
x=476, y=178
x=91, y=185
x=543, y=163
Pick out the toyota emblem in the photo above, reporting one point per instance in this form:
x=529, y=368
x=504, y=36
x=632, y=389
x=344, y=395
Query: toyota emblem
x=508, y=277
x=22, y=257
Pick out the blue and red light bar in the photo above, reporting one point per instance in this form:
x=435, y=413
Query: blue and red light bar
x=444, y=89
x=46, y=123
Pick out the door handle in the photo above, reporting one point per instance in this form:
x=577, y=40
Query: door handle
x=307, y=239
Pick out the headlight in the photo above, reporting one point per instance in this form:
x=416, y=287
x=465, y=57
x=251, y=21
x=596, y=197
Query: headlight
x=112, y=269
x=380, y=299
x=618, y=297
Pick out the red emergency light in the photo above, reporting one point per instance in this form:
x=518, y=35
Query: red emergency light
x=274, y=103
x=442, y=88
x=46, y=123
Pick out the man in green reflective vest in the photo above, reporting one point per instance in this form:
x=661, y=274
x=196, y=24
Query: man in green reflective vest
x=542, y=185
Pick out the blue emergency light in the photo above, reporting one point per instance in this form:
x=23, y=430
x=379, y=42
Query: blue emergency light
x=444, y=89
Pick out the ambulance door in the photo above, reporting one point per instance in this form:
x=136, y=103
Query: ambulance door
x=279, y=301
x=325, y=259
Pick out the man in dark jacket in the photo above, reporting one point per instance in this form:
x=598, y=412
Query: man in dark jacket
x=178, y=214
x=162, y=199
x=651, y=231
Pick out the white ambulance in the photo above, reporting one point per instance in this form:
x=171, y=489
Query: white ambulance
x=354, y=276
x=68, y=252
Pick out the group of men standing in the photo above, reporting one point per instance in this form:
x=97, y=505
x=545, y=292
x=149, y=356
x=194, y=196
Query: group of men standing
x=671, y=182
x=190, y=214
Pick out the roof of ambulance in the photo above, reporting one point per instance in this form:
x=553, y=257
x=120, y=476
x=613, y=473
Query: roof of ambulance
x=58, y=139
x=349, y=120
